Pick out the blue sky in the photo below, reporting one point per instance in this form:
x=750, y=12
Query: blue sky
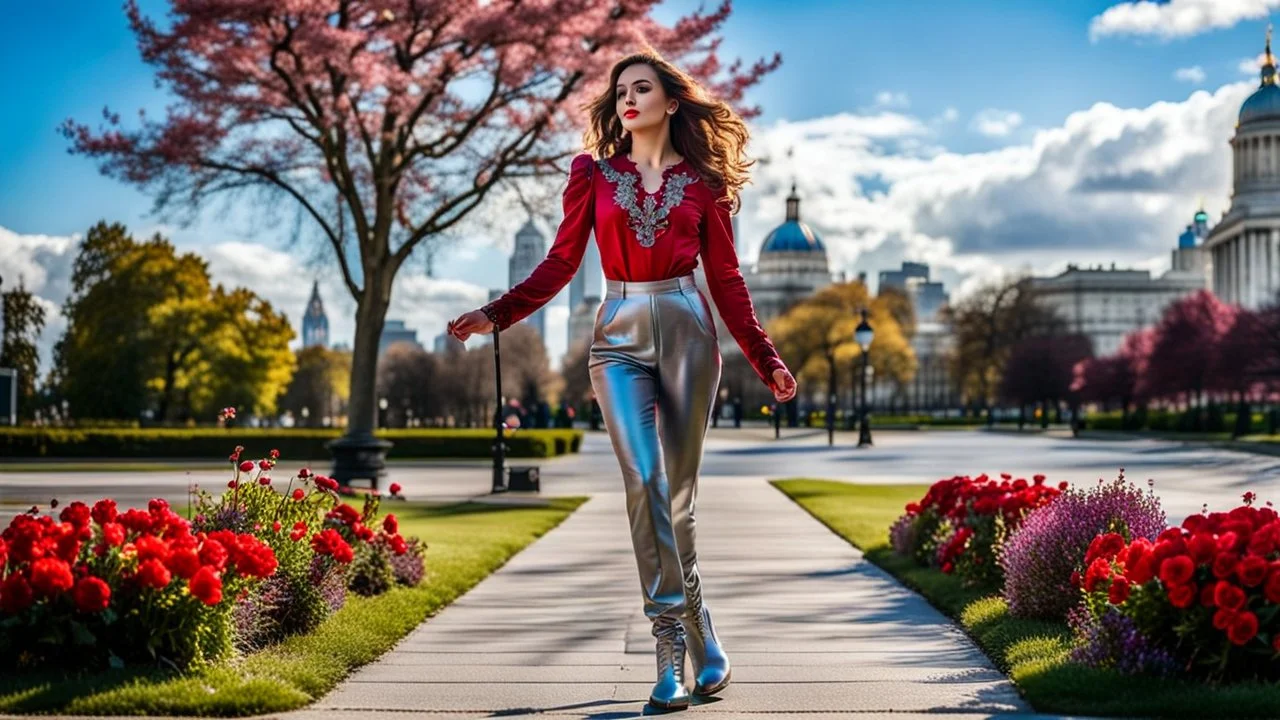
x=979, y=94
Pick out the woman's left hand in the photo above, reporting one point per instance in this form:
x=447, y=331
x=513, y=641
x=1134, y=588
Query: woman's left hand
x=784, y=386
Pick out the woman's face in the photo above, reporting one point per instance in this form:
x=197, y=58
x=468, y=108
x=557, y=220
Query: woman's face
x=639, y=99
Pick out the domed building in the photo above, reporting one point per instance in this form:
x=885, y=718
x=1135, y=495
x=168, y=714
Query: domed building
x=793, y=265
x=1244, y=247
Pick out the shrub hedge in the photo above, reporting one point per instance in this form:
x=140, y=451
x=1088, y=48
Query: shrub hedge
x=211, y=443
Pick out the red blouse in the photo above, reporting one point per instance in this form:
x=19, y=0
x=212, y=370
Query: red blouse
x=645, y=237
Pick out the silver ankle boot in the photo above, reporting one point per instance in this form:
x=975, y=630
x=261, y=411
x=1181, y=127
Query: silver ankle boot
x=669, y=693
x=711, y=669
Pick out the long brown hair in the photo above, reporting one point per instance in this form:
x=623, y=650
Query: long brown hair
x=706, y=132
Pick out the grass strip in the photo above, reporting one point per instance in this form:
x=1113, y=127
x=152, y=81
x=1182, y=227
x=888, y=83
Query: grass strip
x=466, y=542
x=1034, y=654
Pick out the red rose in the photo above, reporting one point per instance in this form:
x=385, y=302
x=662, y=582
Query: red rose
x=77, y=513
x=1252, y=571
x=246, y=466
x=1272, y=589
x=390, y=525
x=151, y=547
x=50, y=576
x=1203, y=548
x=214, y=554
x=153, y=574
x=264, y=464
x=91, y=595
x=298, y=494
x=104, y=511
x=1229, y=596
x=1227, y=542
x=1098, y=570
x=275, y=526
x=1225, y=564
x=15, y=594
x=1104, y=546
x=184, y=563
x=113, y=534
x=1177, y=570
x=1243, y=628
x=1223, y=618
x=1119, y=591
x=264, y=480
x=1182, y=596
x=206, y=586
x=4, y=552
x=304, y=473
x=395, y=490
x=398, y=545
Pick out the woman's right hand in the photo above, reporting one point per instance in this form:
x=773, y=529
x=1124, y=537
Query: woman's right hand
x=468, y=323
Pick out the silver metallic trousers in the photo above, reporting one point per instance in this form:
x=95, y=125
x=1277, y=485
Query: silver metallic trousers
x=655, y=368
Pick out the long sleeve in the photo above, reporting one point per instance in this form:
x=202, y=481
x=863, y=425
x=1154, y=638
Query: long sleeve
x=562, y=261
x=729, y=290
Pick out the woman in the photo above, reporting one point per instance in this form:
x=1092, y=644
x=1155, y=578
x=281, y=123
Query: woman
x=659, y=197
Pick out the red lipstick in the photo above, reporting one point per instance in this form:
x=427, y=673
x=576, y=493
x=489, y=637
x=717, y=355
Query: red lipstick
x=630, y=114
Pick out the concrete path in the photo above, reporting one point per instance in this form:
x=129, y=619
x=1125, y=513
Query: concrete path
x=810, y=626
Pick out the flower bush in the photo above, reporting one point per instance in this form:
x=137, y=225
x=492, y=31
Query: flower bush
x=99, y=587
x=1208, y=590
x=961, y=522
x=1038, y=559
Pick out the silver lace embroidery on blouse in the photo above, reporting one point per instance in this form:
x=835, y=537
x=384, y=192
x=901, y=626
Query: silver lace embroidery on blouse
x=647, y=221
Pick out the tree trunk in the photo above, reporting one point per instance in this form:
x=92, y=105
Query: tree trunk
x=371, y=313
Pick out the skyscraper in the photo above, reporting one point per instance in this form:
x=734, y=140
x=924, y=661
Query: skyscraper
x=530, y=249
x=315, y=324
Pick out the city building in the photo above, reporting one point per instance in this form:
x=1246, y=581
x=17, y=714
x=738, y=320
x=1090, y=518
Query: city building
x=1107, y=304
x=1190, y=255
x=1244, y=246
x=585, y=292
x=315, y=323
x=394, y=331
x=530, y=250
x=913, y=279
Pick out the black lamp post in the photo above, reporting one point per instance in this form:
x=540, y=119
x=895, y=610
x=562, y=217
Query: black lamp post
x=864, y=335
x=499, y=447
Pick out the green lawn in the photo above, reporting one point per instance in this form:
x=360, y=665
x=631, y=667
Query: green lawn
x=467, y=542
x=1032, y=653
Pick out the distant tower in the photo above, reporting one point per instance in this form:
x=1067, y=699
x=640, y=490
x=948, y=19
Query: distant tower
x=530, y=250
x=315, y=324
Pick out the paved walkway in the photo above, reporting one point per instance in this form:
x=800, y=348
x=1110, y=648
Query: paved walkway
x=810, y=626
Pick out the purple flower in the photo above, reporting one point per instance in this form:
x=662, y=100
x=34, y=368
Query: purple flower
x=1114, y=642
x=1039, y=557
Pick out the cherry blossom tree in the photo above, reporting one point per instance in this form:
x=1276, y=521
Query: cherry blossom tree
x=1186, y=341
x=385, y=121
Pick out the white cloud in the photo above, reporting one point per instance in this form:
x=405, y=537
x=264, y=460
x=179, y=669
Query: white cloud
x=1194, y=74
x=1176, y=18
x=1110, y=184
x=43, y=265
x=996, y=123
x=1253, y=65
x=950, y=115
x=889, y=99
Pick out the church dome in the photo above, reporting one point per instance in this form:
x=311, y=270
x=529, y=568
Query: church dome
x=1264, y=103
x=793, y=235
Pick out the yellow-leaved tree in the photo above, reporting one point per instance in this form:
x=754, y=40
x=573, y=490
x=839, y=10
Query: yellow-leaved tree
x=815, y=338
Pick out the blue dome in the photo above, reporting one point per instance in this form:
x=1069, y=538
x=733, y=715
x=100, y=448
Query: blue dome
x=792, y=236
x=1263, y=104
x=1188, y=238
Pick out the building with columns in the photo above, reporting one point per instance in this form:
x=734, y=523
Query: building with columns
x=1244, y=247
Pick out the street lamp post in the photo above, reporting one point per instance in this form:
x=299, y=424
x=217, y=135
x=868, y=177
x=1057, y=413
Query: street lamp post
x=499, y=446
x=382, y=406
x=864, y=335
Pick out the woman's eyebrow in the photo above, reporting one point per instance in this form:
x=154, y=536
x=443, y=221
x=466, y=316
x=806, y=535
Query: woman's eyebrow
x=636, y=82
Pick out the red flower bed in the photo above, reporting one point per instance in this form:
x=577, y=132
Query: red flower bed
x=960, y=523
x=1208, y=591
x=96, y=585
